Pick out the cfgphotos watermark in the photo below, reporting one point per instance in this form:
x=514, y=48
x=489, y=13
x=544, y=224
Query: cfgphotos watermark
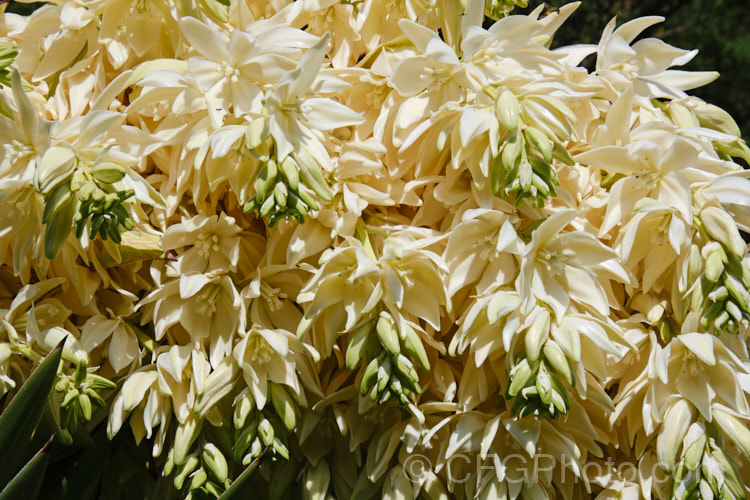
x=520, y=469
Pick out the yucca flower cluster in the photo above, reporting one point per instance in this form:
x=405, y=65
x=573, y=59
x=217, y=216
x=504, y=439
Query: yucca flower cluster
x=389, y=249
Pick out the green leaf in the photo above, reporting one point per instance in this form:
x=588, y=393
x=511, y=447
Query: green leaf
x=19, y=419
x=26, y=484
x=237, y=488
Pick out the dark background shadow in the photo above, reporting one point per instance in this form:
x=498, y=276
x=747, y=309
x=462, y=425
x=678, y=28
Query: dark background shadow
x=719, y=29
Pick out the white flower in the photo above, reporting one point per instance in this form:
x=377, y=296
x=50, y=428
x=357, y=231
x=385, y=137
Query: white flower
x=563, y=267
x=273, y=356
x=123, y=342
x=294, y=119
x=207, y=307
x=650, y=169
x=214, y=243
x=645, y=63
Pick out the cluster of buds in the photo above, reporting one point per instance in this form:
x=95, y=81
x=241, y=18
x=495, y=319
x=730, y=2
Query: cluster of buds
x=703, y=114
x=80, y=194
x=79, y=393
x=706, y=471
x=106, y=211
x=495, y=9
x=688, y=451
x=8, y=53
x=203, y=474
x=390, y=353
x=284, y=189
x=721, y=291
x=257, y=430
x=537, y=379
x=523, y=169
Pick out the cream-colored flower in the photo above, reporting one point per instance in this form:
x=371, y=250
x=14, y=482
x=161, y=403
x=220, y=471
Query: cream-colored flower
x=232, y=71
x=560, y=268
x=274, y=356
x=482, y=250
x=147, y=407
x=294, y=119
x=270, y=298
x=346, y=286
x=131, y=25
x=670, y=388
x=181, y=375
x=666, y=231
x=335, y=17
x=645, y=62
x=407, y=280
x=207, y=307
x=214, y=243
x=123, y=347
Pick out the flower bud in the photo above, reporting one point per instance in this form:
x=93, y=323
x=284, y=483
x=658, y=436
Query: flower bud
x=184, y=469
x=506, y=109
x=536, y=335
x=519, y=377
x=266, y=432
x=539, y=141
x=256, y=133
x=55, y=167
x=316, y=482
x=413, y=347
x=714, y=267
x=108, y=172
x=214, y=460
x=197, y=479
x=544, y=385
x=387, y=334
x=243, y=405
x=693, y=445
x=715, y=118
x=733, y=429
x=559, y=362
x=722, y=227
x=284, y=405
x=184, y=437
x=675, y=425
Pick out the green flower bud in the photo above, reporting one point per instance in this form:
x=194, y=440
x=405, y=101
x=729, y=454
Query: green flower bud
x=387, y=334
x=108, y=172
x=536, y=335
x=506, y=109
x=215, y=462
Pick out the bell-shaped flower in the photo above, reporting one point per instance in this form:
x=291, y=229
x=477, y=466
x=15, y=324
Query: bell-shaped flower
x=214, y=243
x=275, y=356
x=122, y=340
x=294, y=119
x=141, y=399
x=482, y=250
x=270, y=298
x=650, y=169
x=696, y=367
x=413, y=278
x=666, y=233
x=207, y=306
x=560, y=268
x=232, y=72
x=645, y=63
x=131, y=25
x=181, y=375
x=26, y=137
x=347, y=286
